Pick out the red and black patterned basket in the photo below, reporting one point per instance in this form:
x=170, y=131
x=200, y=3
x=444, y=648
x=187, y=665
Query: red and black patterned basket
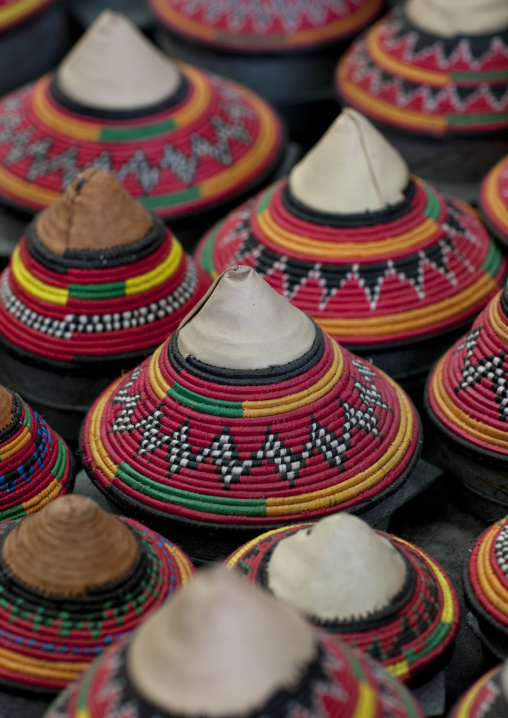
x=408, y=79
x=411, y=636
x=193, y=447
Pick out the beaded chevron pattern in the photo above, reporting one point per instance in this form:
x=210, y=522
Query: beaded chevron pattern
x=486, y=576
x=406, y=637
x=403, y=77
x=468, y=390
x=35, y=464
x=338, y=682
x=494, y=200
x=90, y=309
x=12, y=12
x=181, y=437
x=208, y=147
x=56, y=639
x=258, y=25
x=421, y=267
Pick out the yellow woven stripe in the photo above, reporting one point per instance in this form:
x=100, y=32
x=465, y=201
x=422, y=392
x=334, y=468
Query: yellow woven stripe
x=34, y=286
x=15, y=445
x=496, y=321
x=17, y=10
x=26, y=666
x=237, y=557
x=253, y=158
x=349, y=251
x=457, y=417
x=185, y=568
x=292, y=402
x=192, y=110
x=465, y=706
x=43, y=498
x=366, y=704
x=99, y=455
x=496, y=204
x=157, y=381
x=396, y=67
x=65, y=125
x=19, y=188
x=491, y=586
x=398, y=669
x=384, y=110
x=413, y=319
x=159, y=274
x=326, y=498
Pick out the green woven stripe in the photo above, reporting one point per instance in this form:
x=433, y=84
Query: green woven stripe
x=170, y=200
x=124, y=134
x=16, y=512
x=27, y=418
x=61, y=461
x=493, y=117
x=108, y=290
x=433, y=208
x=493, y=260
x=479, y=76
x=215, y=407
x=435, y=639
x=265, y=198
x=206, y=259
x=171, y=495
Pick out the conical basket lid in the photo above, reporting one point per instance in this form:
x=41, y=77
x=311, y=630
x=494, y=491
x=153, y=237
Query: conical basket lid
x=432, y=67
x=179, y=140
x=254, y=445
x=377, y=608
x=75, y=580
x=224, y=648
x=274, y=27
x=377, y=258
x=96, y=277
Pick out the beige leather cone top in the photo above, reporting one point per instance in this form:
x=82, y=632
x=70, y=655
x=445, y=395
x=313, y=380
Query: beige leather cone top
x=352, y=169
x=6, y=416
x=95, y=212
x=242, y=323
x=221, y=647
x=69, y=547
x=337, y=570
x=447, y=18
x=114, y=67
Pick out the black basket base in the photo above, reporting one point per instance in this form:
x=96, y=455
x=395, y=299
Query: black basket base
x=494, y=640
x=299, y=85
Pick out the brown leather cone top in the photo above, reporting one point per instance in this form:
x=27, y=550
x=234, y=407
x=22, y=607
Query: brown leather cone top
x=6, y=417
x=68, y=547
x=94, y=213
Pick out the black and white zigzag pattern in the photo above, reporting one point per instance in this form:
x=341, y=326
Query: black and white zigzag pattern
x=183, y=166
x=370, y=276
x=501, y=550
x=223, y=452
x=490, y=368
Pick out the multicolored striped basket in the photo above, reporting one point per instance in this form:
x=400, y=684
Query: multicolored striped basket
x=71, y=321
x=35, y=464
x=467, y=400
x=484, y=699
x=373, y=281
x=344, y=684
x=407, y=637
x=192, y=446
x=48, y=639
x=208, y=143
x=403, y=77
x=276, y=27
x=494, y=200
x=485, y=580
